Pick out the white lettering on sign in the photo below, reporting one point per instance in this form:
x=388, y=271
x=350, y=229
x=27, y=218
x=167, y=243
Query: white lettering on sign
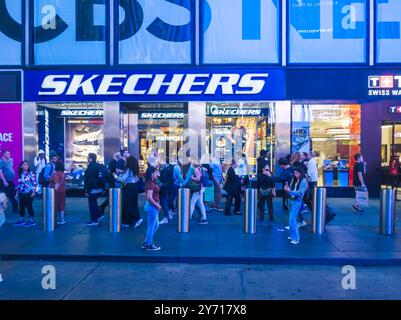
x=161, y=115
x=82, y=113
x=6, y=137
x=218, y=111
x=151, y=84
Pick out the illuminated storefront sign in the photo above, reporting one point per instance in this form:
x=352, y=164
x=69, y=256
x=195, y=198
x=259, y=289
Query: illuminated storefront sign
x=384, y=85
x=234, y=112
x=161, y=115
x=394, y=109
x=81, y=113
x=160, y=85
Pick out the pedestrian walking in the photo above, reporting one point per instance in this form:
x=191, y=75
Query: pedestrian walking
x=130, y=192
x=7, y=175
x=217, y=172
x=233, y=188
x=112, y=167
x=166, y=181
x=266, y=192
x=194, y=182
x=178, y=182
x=57, y=182
x=94, y=182
x=26, y=192
x=152, y=208
x=359, y=179
x=48, y=169
x=40, y=162
x=295, y=191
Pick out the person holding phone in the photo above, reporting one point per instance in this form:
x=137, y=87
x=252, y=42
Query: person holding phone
x=152, y=208
x=295, y=191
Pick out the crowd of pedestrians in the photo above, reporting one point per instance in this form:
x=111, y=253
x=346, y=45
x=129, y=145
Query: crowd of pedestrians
x=208, y=180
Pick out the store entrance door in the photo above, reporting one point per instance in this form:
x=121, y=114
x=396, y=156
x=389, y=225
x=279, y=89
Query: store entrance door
x=391, y=154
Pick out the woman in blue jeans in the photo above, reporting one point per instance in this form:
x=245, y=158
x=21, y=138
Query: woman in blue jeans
x=295, y=192
x=152, y=208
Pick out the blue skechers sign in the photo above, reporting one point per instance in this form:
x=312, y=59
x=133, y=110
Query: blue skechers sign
x=155, y=85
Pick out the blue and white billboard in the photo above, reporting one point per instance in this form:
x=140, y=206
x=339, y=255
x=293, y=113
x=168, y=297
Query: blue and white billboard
x=155, y=85
x=322, y=31
x=69, y=32
x=10, y=32
x=155, y=32
x=241, y=31
x=388, y=31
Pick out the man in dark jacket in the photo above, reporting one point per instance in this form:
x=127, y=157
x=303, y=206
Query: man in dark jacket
x=233, y=188
x=261, y=162
x=94, y=187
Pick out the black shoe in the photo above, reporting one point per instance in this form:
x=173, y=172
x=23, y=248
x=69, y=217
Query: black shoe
x=152, y=247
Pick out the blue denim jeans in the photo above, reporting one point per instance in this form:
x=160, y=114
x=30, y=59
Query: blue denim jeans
x=294, y=206
x=153, y=222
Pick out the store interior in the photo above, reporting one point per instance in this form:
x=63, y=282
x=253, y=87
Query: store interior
x=73, y=131
x=332, y=131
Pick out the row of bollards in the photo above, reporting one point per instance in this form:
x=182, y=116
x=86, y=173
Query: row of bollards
x=387, y=210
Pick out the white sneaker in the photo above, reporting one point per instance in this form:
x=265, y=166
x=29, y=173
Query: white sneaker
x=294, y=241
x=302, y=224
x=287, y=227
x=138, y=223
x=164, y=221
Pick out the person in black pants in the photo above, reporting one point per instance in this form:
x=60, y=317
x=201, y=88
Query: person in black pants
x=266, y=192
x=233, y=188
x=94, y=187
x=130, y=178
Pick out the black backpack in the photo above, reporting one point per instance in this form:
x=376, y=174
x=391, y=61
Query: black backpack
x=103, y=175
x=42, y=181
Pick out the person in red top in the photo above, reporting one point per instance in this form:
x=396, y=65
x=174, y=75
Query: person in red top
x=152, y=208
x=57, y=182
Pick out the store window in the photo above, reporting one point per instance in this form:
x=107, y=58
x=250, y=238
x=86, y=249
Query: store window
x=241, y=130
x=150, y=127
x=72, y=131
x=69, y=32
x=333, y=133
x=391, y=154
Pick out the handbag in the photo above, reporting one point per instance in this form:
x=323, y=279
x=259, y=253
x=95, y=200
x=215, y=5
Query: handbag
x=265, y=192
x=362, y=198
x=140, y=185
x=194, y=186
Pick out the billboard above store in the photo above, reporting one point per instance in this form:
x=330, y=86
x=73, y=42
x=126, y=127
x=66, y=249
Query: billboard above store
x=200, y=84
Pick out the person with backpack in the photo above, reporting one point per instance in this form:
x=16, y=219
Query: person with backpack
x=130, y=192
x=7, y=175
x=266, y=192
x=284, y=177
x=47, y=171
x=178, y=181
x=26, y=193
x=57, y=182
x=295, y=192
x=165, y=184
x=233, y=188
x=193, y=180
x=94, y=181
x=207, y=181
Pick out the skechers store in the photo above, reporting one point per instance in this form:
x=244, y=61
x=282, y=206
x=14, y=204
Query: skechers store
x=289, y=76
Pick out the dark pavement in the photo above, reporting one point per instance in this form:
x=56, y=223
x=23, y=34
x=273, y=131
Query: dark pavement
x=126, y=281
x=349, y=239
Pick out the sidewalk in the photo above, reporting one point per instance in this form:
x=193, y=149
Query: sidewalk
x=349, y=239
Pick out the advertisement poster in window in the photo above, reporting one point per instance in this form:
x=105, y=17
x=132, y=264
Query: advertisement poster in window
x=11, y=132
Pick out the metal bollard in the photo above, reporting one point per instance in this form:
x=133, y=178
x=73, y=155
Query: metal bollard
x=319, y=210
x=184, y=195
x=250, y=210
x=115, y=209
x=387, y=211
x=49, y=209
